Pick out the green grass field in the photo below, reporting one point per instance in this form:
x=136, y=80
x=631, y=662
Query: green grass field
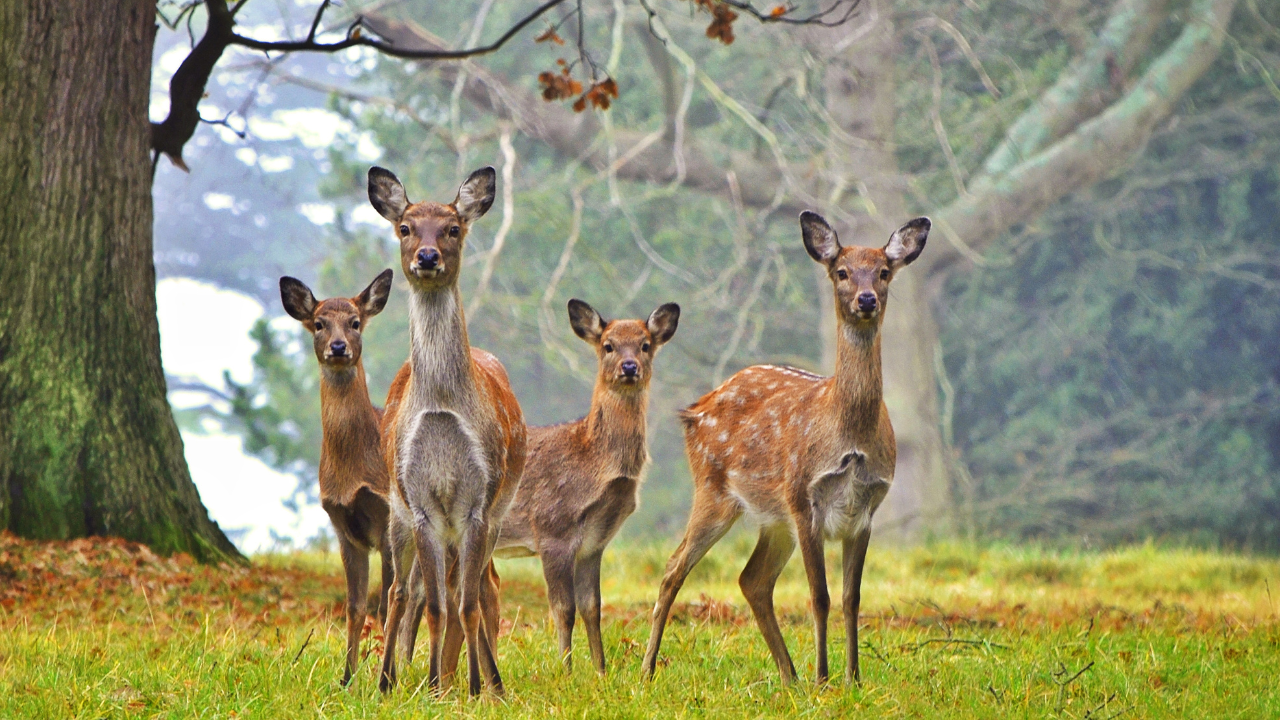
x=106, y=629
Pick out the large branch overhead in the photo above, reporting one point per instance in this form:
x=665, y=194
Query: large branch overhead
x=578, y=135
x=186, y=88
x=1086, y=87
x=1092, y=151
x=1086, y=149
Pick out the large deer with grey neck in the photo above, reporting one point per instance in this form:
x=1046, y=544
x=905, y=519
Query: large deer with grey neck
x=809, y=458
x=453, y=437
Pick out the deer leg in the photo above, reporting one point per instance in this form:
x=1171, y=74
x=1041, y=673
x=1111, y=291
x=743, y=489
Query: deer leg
x=432, y=567
x=473, y=560
x=815, y=567
x=586, y=582
x=452, y=626
x=855, y=554
x=757, y=581
x=401, y=558
x=557, y=569
x=413, y=617
x=356, y=564
x=710, y=519
x=385, y=585
x=490, y=605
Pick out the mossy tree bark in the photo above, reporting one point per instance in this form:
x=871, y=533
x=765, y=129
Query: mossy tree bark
x=88, y=444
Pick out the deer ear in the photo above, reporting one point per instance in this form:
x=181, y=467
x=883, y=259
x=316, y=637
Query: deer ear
x=475, y=197
x=374, y=298
x=585, y=321
x=662, y=322
x=297, y=299
x=819, y=239
x=386, y=194
x=907, y=241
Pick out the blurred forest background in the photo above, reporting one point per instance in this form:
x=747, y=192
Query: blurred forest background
x=1097, y=365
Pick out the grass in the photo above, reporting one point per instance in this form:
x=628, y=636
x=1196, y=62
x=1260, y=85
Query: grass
x=106, y=629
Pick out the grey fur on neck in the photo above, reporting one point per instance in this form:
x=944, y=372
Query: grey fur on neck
x=439, y=350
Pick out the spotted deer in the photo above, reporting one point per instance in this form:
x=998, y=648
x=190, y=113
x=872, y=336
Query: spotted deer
x=353, y=476
x=453, y=434
x=583, y=478
x=808, y=458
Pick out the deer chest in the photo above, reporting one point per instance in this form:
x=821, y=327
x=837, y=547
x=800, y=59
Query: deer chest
x=844, y=498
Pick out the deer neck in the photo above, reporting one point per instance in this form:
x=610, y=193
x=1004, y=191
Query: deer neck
x=439, y=351
x=858, y=385
x=347, y=417
x=617, y=425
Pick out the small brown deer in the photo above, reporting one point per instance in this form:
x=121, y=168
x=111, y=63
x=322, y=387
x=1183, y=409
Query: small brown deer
x=353, y=474
x=453, y=434
x=808, y=458
x=583, y=478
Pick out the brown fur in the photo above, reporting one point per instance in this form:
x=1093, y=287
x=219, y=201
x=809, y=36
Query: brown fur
x=353, y=478
x=583, y=478
x=453, y=441
x=807, y=458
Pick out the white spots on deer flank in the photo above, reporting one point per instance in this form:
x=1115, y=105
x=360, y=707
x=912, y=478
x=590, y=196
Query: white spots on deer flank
x=723, y=437
x=772, y=386
x=709, y=421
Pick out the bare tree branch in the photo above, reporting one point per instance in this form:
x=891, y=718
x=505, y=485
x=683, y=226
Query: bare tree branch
x=1093, y=150
x=356, y=38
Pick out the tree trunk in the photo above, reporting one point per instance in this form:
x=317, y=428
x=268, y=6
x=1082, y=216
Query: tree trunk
x=88, y=445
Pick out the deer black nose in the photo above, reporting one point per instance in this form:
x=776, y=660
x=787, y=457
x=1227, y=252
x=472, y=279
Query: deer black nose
x=867, y=301
x=428, y=258
x=338, y=348
x=630, y=368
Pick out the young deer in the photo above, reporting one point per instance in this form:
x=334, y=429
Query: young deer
x=453, y=435
x=809, y=458
x=583, y=478
x=353, y=475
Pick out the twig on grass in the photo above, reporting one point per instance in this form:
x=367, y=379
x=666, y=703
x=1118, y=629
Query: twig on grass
x=875, y=652
x=305, y=643
x=1062, y=684
x=953, y=641
x=1099, y=707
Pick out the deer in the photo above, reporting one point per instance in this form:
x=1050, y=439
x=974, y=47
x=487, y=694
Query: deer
x=807, y=458
x=453, y=435
x=583, y=478
x=353, y=476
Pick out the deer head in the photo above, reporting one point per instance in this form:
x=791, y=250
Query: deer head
x=861, y=275
x=431, y=234
x=337, y=323
x=624, y=348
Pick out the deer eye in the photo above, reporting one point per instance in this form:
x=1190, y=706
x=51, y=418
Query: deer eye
x=608, y=348
x=404, y=229
x=454, y=230
x=355, y=324
x=319, y=325
x=644, y=347
x=884, y=274
x=842, y=274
